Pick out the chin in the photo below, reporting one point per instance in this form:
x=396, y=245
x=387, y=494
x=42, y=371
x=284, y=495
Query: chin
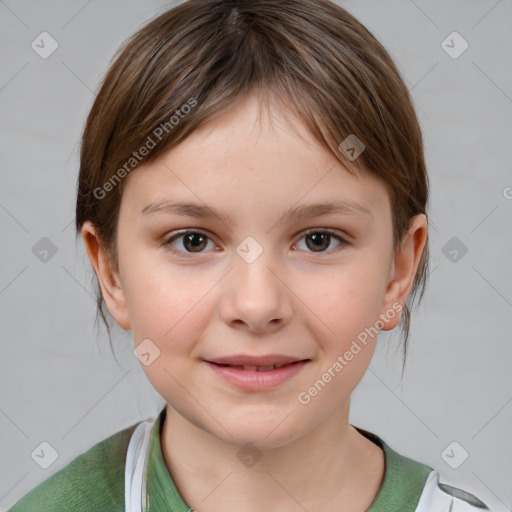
x=264, y=434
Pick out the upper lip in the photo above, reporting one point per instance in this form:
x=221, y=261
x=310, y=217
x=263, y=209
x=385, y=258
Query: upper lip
x=247, y=360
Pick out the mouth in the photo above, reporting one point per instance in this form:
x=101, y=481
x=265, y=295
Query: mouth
x=257, y=377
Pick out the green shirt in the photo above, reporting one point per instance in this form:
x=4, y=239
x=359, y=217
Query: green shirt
x=94, y=481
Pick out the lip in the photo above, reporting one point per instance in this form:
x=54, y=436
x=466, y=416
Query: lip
x=254, y=380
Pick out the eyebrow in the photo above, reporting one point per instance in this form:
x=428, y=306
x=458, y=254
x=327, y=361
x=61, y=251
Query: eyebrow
x=345, y=206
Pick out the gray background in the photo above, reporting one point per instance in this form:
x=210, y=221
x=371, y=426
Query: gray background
x=60, y=384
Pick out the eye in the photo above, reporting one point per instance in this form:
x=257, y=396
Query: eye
x=318, y=240
x=189, y=241
x=193, y=241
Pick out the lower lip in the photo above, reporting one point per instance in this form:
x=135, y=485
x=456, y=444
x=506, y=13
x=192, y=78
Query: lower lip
x=254, y=380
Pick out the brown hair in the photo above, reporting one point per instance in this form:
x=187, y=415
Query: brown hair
x=193, y=62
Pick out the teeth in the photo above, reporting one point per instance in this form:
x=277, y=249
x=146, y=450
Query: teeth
x=265, y=368
x=252, y=368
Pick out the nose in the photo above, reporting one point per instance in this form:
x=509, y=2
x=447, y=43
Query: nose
x=255, y=295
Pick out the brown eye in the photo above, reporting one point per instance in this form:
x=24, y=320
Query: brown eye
x=190, y=241
x=194, y=241
x=318, y=241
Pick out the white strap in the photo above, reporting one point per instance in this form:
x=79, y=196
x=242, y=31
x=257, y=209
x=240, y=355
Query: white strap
x=135, y=466
x=446, y=498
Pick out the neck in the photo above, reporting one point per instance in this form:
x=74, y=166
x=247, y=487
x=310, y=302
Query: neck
x=212, y=474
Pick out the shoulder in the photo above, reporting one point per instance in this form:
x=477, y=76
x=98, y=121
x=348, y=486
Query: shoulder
x=403, y=482
x=92, y=481
x=439, y=494
x=412, y=486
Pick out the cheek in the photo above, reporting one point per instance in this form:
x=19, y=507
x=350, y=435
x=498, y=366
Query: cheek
x=345, y=307
x=164, y=300
x=346, y=299
x=168, y=306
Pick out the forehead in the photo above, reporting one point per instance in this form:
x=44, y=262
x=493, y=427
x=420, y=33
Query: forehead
x=251, y=159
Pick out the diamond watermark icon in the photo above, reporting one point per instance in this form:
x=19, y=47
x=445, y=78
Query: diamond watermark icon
x=146, y=352
x=249, y=249
x=454, y=455
x=454, y=249
x=454, y=45
x=44, y=45
x=249, y=455
x=352, y=147
x=44, y=250
x=44, y=455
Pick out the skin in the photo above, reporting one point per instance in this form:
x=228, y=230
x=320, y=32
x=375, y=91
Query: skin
x=293, y=299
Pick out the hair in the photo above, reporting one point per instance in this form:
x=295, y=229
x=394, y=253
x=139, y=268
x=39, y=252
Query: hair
x=192, y=63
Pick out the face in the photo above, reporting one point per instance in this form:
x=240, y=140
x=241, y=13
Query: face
x=259, y=280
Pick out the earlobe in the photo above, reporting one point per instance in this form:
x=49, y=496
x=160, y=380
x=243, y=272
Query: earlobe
x=109, y=279
x=404, y=267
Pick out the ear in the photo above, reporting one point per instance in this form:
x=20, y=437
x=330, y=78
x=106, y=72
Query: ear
x=109, y=279
x=403, y=271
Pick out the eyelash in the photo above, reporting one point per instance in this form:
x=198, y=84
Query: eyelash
x=182, y=233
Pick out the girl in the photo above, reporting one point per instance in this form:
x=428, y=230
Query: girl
x=253, y=199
